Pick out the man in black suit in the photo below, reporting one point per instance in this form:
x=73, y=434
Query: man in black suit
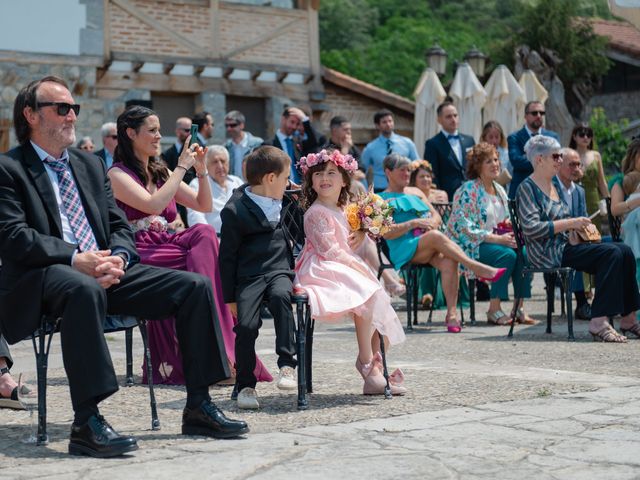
x=534, y=119
x=289, y=139
x=109, y=142
x=171, y=154
x=447, y=150
x=68, y=251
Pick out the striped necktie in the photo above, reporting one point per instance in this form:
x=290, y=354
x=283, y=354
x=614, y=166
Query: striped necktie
x=72, y=205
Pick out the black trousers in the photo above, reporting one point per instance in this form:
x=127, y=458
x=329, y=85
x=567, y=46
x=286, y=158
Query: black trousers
x=275, y=290
x=4, y=351
x=146, y=292
x=614, y=267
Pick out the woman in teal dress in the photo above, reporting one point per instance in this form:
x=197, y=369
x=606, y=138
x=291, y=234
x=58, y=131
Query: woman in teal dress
x=415, y=236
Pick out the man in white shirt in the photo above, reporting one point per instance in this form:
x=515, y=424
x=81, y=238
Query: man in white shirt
x=240, y=143
x=222, y=186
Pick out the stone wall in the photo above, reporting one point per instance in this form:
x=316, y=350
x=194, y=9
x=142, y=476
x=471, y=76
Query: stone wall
x=616, y=105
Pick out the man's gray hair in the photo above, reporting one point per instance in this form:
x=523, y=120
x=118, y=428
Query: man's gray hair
x=540, y=145
x=217, y=150
x=236, y=116
x=107, y=128
x=395, y=160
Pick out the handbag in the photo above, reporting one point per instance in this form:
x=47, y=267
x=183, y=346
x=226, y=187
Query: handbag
x=589, y=234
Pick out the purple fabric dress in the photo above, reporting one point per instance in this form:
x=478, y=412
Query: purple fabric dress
x=195, y=250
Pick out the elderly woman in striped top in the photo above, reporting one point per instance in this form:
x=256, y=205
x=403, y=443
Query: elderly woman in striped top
x=551, y=242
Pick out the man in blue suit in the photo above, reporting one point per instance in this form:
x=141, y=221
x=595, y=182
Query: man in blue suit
x=572, y=195
x=533, y=116
x=447, y=150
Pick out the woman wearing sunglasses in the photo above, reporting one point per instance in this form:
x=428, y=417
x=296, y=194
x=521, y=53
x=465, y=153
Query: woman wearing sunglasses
x=549, y=233
x=593, y=181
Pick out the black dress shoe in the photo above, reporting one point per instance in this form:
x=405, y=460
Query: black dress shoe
x=209, y=421
x=583, y=312
x=97, y=438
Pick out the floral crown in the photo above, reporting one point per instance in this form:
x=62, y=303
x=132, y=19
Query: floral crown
x=345, y=161
x=416, y=164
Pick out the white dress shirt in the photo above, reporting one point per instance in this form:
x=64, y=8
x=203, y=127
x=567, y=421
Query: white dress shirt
x=220, y=195
x=269, y=206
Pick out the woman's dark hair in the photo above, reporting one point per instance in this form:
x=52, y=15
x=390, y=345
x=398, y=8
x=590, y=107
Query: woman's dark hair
x=629, y=161
x=308, y=193
x=583, y=127
x=263, y=161
x=477, y=156
x=493, y=125
x=27, y=97
x=134, y=117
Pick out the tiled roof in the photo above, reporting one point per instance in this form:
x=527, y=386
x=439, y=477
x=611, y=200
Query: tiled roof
x=622, y=35
x=368, y=90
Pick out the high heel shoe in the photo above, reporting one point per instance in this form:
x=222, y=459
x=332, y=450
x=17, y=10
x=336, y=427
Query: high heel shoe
x=455, y=328
x=375, y=384
x=634, y=329
x=495, y=278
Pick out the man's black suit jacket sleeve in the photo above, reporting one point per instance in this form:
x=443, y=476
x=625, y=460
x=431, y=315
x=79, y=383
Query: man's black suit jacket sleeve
x=230, y=241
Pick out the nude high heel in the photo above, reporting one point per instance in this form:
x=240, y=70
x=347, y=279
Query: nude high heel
x=375, y=384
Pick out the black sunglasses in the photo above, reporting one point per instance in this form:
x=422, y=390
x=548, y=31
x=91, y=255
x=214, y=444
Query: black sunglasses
x=62, y=108
x=231, y=125
x=556, y=156
x=112, y=137
x=535, y=113
x=584, y=134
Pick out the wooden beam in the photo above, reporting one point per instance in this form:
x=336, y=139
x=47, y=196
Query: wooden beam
x=254, y=74
x=167, y=67
x=136, y=66
x=261, y=39
x=157, y=25
x=281, y=76
x=308, y=78
x=198, y=69
x=227, y=71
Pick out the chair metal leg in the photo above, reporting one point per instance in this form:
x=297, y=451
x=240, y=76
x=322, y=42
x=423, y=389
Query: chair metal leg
x=128, y=344
x=435, y=293
x=41, y=350
x=566, y=284
x=309, y=346
x=472, y=300
x=562, y=292
x=155, y=421
x=415, y=295
x=409, y=295
x=514, y=313
x=301, y=339
x=385, y=370
x=551, y=285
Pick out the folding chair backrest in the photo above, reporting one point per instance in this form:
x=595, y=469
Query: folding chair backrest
x=444, y=209
x=292, y=216
x=615, y=223
x=517, y=229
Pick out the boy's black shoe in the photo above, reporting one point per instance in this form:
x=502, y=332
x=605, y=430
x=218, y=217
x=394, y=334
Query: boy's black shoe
x=583, y=312
x=97, y=438
x=209, y=421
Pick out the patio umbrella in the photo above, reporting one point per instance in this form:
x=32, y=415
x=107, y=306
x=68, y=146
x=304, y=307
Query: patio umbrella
x=505, y=100
x=533, y=90
x=468, y=97
x=428, y=94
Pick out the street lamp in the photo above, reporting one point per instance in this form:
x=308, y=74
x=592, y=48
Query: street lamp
x=437, y=59
x=476, y=60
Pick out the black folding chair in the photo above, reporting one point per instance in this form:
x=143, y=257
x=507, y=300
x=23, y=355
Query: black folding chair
x=564, y=273
x=41, y=340
x=615, y=223
x=292, y=216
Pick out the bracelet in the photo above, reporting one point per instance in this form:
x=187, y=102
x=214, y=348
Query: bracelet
x=184, y=168
x=201, y=175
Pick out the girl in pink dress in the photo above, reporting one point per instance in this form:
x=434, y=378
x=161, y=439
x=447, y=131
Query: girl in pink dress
x=339, y=283
x=147, y=191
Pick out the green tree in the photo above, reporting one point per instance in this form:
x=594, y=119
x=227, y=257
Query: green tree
x=608, y=138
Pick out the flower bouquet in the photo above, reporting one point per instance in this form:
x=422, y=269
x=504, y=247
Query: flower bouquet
x=371, y=214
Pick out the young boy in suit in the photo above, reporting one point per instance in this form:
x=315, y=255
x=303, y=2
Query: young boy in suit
x=256, y=266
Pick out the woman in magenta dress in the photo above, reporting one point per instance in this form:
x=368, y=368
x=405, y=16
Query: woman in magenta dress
x=339, y=283
x=147, y=191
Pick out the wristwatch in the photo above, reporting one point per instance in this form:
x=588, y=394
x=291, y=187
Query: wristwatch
x=124, y=259
x=4, y=370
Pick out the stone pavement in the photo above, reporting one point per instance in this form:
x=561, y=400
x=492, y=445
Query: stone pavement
x=479, y=406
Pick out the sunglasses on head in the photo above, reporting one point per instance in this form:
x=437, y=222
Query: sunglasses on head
x=62, y=108
x=584, y=134
x=535, y=113
x=231, y=125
